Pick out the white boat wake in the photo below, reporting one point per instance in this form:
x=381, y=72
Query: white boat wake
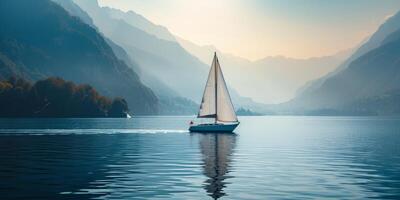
x=8, y=132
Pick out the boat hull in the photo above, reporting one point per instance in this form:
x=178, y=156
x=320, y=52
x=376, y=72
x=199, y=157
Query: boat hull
x=213, y=128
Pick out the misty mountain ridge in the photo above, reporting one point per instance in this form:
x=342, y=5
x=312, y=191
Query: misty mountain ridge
x=389, y=26
x=169, y=101
x=166, y=61
x=141, y=22
x=369, y=78
x=270, y=74
x=43, y=40
x=163, y=59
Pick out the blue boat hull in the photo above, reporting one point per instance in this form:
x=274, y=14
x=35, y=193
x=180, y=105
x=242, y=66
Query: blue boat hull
x=213, y=128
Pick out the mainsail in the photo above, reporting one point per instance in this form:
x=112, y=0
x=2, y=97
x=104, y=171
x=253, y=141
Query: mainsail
x=216, y=102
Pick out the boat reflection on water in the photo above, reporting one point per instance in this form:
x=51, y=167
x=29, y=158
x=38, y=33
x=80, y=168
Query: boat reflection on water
x=217, y=150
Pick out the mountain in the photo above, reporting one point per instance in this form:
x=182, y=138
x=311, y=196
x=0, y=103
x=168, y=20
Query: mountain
x=156, y=85
x=385, y=104
x=76, y=11
x=42, y=40
x=141, y=23
x=164, y=59
x=388, y=27
x=273, y=79
x=171, y=71
x=170, y=103
x=202, y=52
x=369, y=78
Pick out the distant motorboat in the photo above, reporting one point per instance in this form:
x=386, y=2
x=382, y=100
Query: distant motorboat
x=216, y=104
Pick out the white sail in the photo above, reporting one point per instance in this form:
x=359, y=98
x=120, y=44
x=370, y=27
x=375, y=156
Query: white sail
x=208, y=102
x=216, y=102
x=225, y=110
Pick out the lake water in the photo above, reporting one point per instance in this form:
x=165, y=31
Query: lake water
x=156, y=158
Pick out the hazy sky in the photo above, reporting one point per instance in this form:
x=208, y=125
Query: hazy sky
x=258, y=28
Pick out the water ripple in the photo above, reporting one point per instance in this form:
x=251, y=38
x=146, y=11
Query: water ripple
x=155, y=158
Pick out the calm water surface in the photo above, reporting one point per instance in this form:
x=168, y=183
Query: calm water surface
x=156, y=158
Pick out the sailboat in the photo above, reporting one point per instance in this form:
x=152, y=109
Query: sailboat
x=216, y=104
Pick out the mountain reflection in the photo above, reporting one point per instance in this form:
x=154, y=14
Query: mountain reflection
x=216, y=150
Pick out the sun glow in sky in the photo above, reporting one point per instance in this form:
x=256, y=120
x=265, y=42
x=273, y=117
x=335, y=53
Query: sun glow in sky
x=258, y=28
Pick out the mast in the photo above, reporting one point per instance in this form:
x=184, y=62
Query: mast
x=216, y=86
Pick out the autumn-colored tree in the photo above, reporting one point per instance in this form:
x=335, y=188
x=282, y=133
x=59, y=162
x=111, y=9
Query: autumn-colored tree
x=55, y=97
